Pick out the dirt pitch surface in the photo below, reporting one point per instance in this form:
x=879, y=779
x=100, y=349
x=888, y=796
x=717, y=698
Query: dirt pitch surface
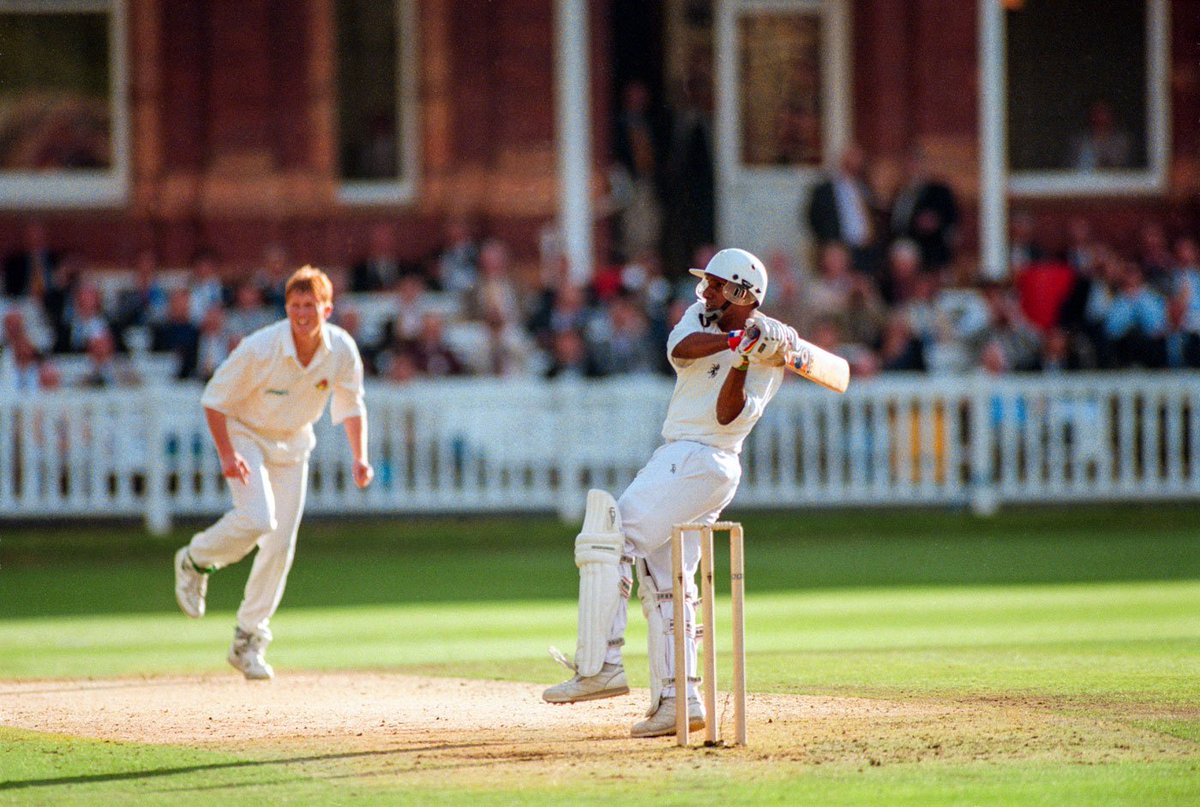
x=372, y=724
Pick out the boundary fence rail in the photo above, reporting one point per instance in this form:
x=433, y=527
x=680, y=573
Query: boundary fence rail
x=488, y=446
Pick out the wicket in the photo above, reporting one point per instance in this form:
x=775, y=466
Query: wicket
x=708, y=608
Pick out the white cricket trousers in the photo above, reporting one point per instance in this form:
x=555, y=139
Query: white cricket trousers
x=266, y=513
x=684, y=482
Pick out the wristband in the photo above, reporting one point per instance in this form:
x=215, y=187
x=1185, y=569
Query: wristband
x=743, y=366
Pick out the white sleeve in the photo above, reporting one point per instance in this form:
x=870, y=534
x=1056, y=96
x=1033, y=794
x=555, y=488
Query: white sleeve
x=233, y=379
x=688, y=324
x=758, y=394
x=347, y=395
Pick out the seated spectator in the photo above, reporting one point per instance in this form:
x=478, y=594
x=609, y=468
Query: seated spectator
x=496, y=290
x=456, y=266
x=249, y=312
x=942, y=326
x=1082, y=312
x=1023, y=245
x=786, y=291
x=429, y=349
x=1007, y=326
x=20, y=366
x=865, y=313
x=1154, y=256
x=272, y=278
x=84, y=320
x=565, y=309
x=412, y=305
x=177, y=334
x=900, y=274
x=49, y=376
x=205, y=284
x=899, y=348
x=24, y=320
x=1135, y=324
x=606, y=281
x=1081, y=245
x=1058, y=353
x=643, y=278
x=1042, y=289
x=215, y=344
x=571, y=357
x=27, y=271
x=145, y=303
x=993, y=360
x=104, y=370
x=509, y=351
x=827, y=333
x=622, y=345
x=1185, y=298
x=348, y=318
x=12, y=327
x=381, y=267
x=61, y=288
x=400, y=367
x=828, y=294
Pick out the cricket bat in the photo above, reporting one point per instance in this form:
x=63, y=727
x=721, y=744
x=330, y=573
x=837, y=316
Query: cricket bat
x=807, y=361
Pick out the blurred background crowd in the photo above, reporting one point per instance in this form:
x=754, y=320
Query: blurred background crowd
x=883, y=283
x=446, y=240
x=889, y=303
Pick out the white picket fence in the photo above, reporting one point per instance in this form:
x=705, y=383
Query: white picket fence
x=487, y=446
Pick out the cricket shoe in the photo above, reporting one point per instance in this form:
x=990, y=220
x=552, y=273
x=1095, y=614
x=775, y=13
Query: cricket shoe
x=662, y=722
x=246, y=654
x=608, y=683
x=191, y=584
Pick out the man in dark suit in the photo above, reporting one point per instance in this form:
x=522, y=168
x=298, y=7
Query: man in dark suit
x=380, y=268
x=179, y=335
x=29, y=270
x=843, y=208
x=926, y=211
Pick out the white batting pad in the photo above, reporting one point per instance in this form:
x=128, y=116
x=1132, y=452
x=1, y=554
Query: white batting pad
x=659, y=644
x=598, y=556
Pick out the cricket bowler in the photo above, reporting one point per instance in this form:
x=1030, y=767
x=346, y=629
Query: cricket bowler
x=260, y=406
x=720, y=393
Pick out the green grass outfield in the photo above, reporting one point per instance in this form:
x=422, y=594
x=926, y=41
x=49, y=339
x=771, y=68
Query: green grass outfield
x=1085, y=621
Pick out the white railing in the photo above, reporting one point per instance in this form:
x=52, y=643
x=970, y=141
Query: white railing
x=488, y=446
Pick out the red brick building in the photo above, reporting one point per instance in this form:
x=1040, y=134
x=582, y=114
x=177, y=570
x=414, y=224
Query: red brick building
x=231, y=116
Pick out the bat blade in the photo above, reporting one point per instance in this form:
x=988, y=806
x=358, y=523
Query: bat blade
x=820, y=366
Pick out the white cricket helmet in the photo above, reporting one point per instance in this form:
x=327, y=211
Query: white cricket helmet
x=745, y=275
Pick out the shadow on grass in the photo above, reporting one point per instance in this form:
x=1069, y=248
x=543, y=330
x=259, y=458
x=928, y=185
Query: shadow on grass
x=183, y=770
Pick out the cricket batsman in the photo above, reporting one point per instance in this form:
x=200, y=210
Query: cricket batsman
x=260, y=406
x=720, y=393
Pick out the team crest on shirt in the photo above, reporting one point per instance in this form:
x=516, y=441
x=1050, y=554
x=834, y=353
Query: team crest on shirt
x=323, y=384
x=712, y=371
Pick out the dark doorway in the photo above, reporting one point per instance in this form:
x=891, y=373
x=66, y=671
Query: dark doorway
x=637, y=47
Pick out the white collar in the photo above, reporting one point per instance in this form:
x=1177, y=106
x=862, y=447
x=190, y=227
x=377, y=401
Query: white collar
x=289, y=342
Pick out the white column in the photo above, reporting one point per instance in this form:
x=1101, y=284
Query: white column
x=572, y=91
x=993, y=143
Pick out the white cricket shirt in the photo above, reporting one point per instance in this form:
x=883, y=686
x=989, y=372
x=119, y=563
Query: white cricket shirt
x=263, y=387
x=692, y=414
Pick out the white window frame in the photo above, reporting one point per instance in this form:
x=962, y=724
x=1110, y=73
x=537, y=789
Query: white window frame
x=80, y=188
x=403, y=189
x=1149, y=180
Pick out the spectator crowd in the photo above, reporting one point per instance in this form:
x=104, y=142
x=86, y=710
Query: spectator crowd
x=882, y=289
